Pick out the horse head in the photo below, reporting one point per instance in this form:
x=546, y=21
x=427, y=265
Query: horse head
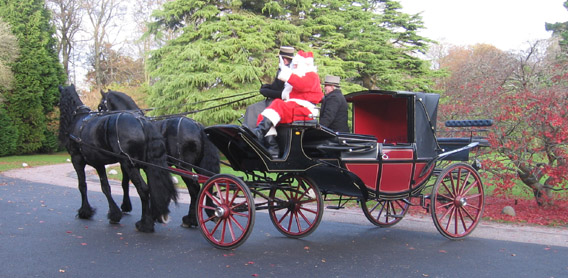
x=117, y=101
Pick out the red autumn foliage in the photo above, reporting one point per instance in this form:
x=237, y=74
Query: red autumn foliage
x=526, y=211
x=530, y=140
x=527, y=98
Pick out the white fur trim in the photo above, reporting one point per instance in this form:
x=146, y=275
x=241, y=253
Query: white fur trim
x=272, y=115
x=271, y=131
x=286, y=91
x=313, y=109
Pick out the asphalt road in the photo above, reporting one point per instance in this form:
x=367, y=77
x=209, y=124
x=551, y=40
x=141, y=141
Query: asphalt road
x=41, y=237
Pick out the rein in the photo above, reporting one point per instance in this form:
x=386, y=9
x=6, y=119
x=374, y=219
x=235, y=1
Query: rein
x=135, y=161
x=201, y=110
x=247, y=94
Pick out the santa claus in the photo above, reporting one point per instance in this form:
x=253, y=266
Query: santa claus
x=302, y=91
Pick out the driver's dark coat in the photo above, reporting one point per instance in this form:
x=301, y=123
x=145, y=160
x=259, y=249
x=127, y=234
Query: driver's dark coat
x=270, y=91
x=273, y=90
x=334, y=112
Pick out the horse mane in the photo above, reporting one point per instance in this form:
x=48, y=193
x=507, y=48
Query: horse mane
x=120, y=101
x=69, y=102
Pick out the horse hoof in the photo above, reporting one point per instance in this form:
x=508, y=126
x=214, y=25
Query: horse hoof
x=126, y=209
x=144, y=229
x=188, y=221
x=189, y=226
x=85, y=213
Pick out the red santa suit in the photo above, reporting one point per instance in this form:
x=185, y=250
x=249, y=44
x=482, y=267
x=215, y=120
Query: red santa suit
x=302, y=91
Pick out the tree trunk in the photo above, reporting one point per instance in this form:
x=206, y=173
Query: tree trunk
x=542, y=194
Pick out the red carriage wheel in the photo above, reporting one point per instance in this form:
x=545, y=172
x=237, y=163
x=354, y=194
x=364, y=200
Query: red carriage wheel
x=384, y=213
x=225, y=211
x=297, y=206
x=457, y=201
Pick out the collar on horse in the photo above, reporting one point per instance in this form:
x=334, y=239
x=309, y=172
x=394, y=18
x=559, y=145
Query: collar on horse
x=82, y=109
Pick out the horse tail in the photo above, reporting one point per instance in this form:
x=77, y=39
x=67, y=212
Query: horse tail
x=162, y=189
x=210, y=157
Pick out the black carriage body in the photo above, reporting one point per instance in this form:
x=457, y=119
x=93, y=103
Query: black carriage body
x=389, y=155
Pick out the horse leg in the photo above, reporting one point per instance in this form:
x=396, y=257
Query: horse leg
x=86, y=211
x=114, y=213
x=126, y=204
x=146, y=222
x=190, y=220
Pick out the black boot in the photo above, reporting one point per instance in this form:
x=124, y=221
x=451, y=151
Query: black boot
x=272, y=146
x=262, y=128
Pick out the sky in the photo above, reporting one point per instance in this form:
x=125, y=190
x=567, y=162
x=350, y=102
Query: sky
x=505, y=24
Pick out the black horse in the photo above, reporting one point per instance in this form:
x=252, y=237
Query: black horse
x=187, y=146
x=127, y=138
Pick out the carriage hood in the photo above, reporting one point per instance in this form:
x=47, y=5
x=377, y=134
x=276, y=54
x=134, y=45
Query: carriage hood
x=397, y=117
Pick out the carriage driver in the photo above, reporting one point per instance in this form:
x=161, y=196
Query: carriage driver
x=270, y=91
x=302, y=91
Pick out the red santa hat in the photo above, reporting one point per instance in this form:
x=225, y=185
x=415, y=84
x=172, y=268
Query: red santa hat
x=303, y=62
x=308, y=57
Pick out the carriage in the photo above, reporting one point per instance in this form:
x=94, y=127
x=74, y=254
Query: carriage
x=393, y=160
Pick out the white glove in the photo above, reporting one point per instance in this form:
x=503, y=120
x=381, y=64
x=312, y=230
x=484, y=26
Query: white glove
x=281, y=64
x=285, y=71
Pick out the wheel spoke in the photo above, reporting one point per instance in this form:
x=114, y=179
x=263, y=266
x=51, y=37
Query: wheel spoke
x=223, y=230
x=219, y=192
x=239, y=204
x=462, y=219
x=235, y=196
x=298, y=225
x=458, y=201
x=450, y=214
x=231, y=200
x=448, y=211
x=384, y=213
x=469, y=187
x=465, y=184
x=451, y=192
x=209, y=219
x=305, y=218
x=218, y=202
x=468, y=213
x=291, y=221
x=299, y=218
x=237, y=223
x=284, y=216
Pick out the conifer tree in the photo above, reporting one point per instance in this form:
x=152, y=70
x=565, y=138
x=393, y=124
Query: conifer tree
x=37, y=74
x=224, y=48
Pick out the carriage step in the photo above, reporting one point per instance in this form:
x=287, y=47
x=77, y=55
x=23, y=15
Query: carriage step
x=395, y=215
x=335, y=207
